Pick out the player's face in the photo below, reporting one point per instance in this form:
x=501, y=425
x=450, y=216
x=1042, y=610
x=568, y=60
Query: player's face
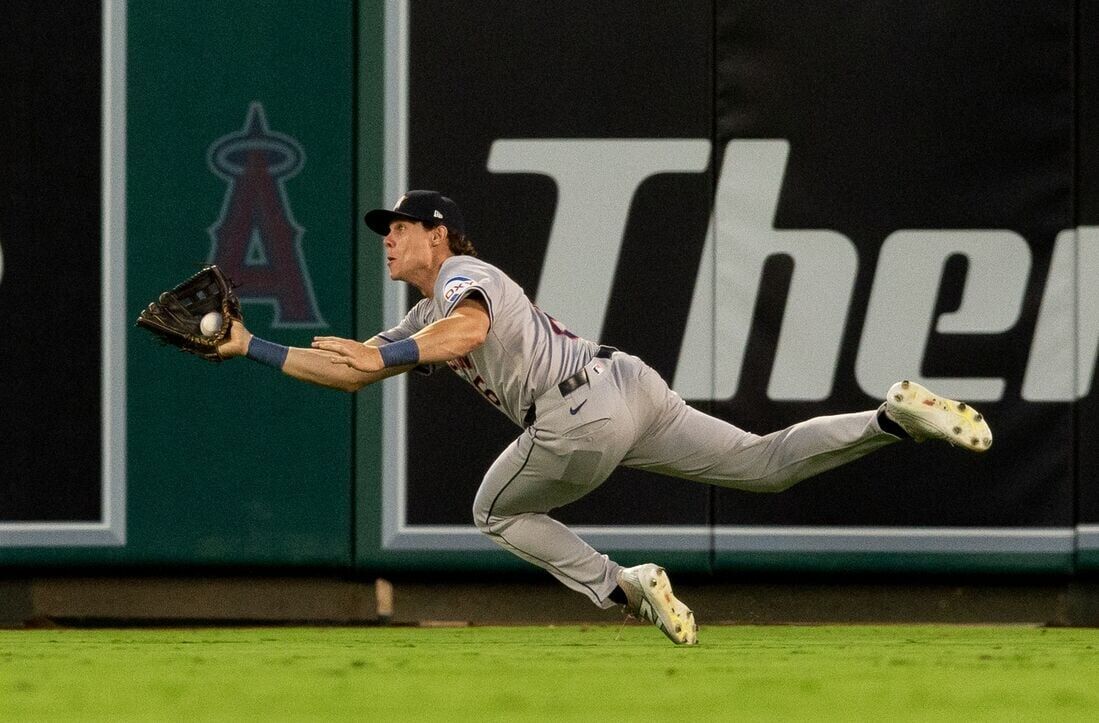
x=407, y=250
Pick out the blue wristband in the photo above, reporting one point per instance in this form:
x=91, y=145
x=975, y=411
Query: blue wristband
x=266, y=352
x=400, y=353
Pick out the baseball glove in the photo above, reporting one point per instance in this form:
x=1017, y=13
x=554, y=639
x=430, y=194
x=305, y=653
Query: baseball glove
x=174, y=318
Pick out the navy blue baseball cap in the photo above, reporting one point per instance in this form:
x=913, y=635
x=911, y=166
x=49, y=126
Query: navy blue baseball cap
x=425, y=206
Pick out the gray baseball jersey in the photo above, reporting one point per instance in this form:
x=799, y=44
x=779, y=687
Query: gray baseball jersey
x=620, y=412
x=526, y=352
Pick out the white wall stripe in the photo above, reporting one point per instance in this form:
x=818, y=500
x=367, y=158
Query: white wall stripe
x=111, y=530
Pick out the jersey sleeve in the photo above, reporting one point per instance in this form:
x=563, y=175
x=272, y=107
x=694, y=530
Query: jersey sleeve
x=463, y=278
x=414, y=320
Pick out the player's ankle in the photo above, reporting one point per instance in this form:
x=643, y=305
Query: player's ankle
x=887, y=425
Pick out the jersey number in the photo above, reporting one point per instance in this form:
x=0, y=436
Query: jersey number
x=463, y=363
x=490, y=395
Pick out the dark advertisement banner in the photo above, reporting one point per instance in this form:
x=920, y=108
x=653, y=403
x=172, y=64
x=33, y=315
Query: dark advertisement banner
x=935, y=146
x=1083, y=284
x=903, y=180
x=50, y=275
x=648, y=75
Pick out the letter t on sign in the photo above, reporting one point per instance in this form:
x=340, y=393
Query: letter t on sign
x=596, y=181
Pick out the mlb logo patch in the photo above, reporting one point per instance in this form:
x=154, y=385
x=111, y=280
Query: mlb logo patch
x=454, y=288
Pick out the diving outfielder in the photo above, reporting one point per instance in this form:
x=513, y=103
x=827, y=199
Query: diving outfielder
x=584, y=408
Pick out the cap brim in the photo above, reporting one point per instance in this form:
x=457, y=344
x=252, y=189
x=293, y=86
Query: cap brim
x=379, y=219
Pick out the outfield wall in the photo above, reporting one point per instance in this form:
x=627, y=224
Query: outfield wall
x=782, y=208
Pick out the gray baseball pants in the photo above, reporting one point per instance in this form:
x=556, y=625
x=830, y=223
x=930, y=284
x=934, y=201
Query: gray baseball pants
x=626, y=415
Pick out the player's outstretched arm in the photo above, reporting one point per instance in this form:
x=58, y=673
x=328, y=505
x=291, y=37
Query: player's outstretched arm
x=315, y=366
x=309, y=365
x=450, y=338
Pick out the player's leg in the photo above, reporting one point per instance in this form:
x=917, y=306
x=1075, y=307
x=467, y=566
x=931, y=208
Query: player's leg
x=530, y=478
x=574, y=445
x=691, y=444
x=511, y=508
x=685, y=442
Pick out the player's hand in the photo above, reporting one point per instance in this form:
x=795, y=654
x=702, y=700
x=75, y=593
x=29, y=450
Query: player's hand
x=351, y=353
x=237, y=342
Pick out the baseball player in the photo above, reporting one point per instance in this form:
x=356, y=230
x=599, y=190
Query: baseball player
x=584, y=408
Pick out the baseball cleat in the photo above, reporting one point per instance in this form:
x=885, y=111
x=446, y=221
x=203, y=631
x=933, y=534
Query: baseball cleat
x=650, y=597
x=925, y=415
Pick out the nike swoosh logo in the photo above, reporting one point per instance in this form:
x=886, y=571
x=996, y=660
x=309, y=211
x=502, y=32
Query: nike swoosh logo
x=574, y=410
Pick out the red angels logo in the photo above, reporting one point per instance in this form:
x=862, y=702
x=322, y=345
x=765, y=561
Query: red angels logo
x=255, y=239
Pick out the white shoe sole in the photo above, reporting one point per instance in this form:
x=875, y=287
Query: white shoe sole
x=925, y=415
x=670, y=615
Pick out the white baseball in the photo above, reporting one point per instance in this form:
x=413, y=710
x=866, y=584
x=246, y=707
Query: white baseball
x=210, y=324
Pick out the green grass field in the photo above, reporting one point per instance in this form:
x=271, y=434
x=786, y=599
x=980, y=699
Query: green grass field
x=560, y=673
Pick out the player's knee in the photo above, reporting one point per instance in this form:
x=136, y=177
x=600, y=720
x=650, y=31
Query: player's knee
x=483, y=518
x=480, y=519
x=489, y=524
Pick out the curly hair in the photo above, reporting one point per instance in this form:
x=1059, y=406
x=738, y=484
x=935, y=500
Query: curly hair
x=459, y=243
